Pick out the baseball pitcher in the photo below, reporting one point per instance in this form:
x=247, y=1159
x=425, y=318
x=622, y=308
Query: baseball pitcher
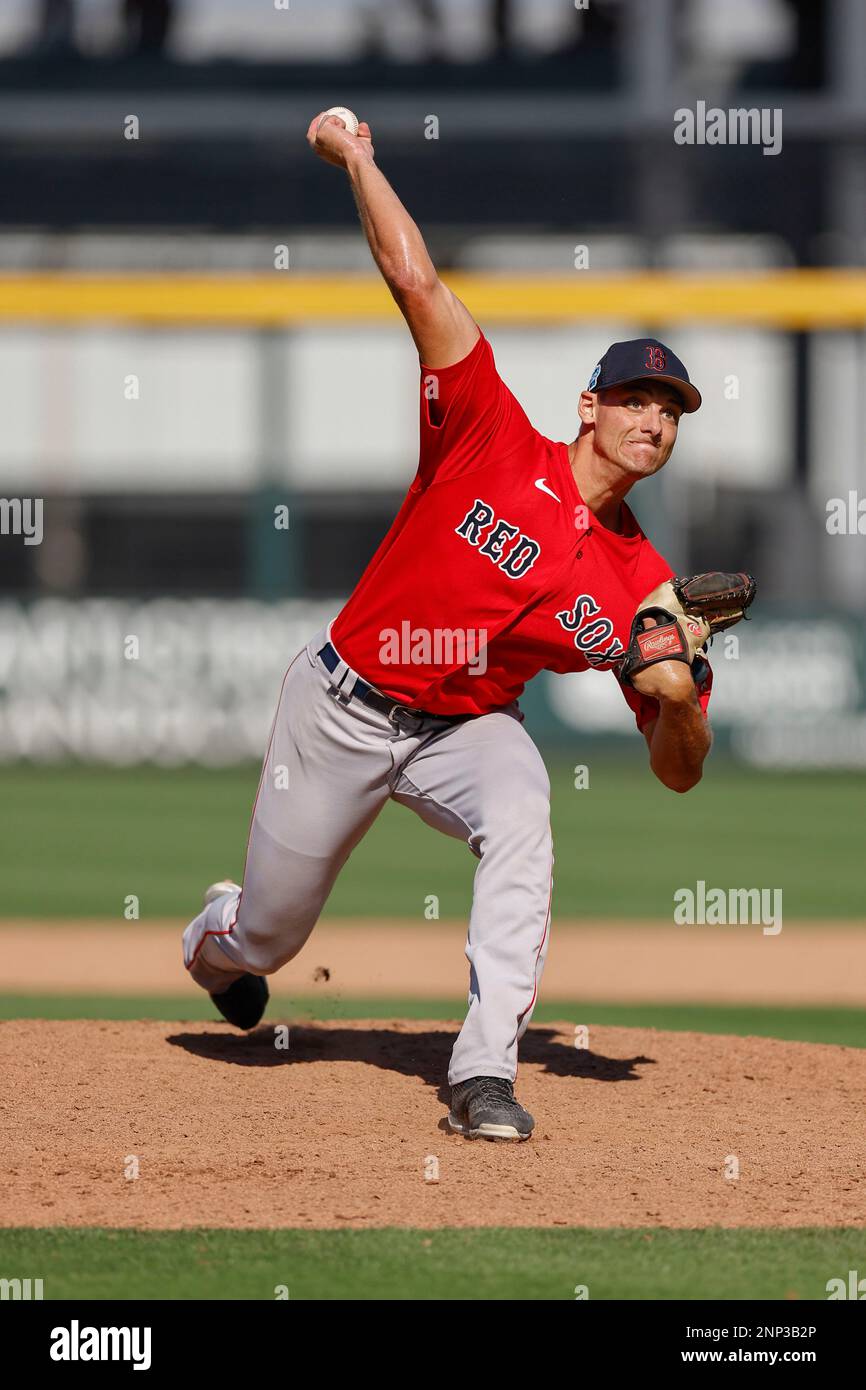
x=511, y=554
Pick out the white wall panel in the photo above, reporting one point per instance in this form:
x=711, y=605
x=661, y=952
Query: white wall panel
x=67, y=423
x=349, y=414
x=746, y=439
x=353, y=407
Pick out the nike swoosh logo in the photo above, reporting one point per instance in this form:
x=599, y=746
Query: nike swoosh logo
x=541, y=484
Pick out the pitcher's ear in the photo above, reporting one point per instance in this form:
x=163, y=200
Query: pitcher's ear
x=586, y=407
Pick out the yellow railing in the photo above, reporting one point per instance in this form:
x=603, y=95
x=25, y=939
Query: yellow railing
x=796, y=299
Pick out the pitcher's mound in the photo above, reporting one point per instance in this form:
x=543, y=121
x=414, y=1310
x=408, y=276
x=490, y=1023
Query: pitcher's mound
x=172, y=1125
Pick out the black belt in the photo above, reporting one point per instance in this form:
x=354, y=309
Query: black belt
x=368, y=695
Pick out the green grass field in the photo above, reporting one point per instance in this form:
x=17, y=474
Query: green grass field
x=842, y=1027
x=77, y=840
x=489, y=1263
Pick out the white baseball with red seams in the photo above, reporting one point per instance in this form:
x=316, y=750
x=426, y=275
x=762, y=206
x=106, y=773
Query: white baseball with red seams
x=349, y=119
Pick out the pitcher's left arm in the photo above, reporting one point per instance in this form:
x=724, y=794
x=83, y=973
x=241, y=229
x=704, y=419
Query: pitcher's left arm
x=680, y=738
x=666, y=660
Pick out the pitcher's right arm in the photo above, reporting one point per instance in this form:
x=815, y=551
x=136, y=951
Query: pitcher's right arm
x=442, y=327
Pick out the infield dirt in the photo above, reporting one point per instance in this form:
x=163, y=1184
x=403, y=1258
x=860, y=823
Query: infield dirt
x=345, y=1127
x=807, y=963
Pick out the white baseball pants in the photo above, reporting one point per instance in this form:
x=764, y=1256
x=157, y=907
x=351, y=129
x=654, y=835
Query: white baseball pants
x=329, y=769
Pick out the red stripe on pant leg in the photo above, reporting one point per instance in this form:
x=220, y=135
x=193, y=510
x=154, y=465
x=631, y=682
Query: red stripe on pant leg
x=227, y=930
x=205, y=936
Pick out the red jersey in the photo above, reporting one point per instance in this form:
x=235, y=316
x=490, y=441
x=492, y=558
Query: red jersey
x=494, y=568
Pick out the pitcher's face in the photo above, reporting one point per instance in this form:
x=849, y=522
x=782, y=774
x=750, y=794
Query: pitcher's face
x=635, y=425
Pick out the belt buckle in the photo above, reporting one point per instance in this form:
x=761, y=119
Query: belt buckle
x=397, y=710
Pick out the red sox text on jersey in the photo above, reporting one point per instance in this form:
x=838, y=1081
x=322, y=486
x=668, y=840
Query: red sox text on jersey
x=584, y=620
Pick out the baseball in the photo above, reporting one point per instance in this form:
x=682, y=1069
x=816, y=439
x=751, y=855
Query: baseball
x=349, y=119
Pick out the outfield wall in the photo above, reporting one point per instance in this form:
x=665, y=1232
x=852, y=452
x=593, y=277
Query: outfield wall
x=171, y=681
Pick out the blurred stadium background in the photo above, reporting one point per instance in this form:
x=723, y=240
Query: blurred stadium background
x=192, y=335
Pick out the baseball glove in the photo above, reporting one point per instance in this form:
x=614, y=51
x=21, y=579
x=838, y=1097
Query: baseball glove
x=686, y=613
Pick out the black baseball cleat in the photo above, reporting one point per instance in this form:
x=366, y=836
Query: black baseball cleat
x=484, y=1108
x=244, y=1002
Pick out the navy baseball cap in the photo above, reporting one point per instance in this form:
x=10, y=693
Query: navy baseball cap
x=644, y=359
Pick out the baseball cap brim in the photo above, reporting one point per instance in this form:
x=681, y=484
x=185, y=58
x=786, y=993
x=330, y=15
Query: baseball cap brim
x=691, y=396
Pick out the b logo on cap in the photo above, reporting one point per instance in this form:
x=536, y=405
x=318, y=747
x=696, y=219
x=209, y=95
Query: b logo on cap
x=655, y=358
x=595, y=376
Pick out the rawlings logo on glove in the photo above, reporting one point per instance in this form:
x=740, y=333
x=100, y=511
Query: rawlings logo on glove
x=685, y=614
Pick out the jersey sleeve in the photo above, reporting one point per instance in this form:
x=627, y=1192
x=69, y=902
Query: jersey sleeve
x=465, y=411
x=645, y=708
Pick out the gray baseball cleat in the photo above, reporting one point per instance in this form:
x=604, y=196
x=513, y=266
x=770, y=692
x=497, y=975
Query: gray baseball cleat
x=244, y=1002
x=484, y=1108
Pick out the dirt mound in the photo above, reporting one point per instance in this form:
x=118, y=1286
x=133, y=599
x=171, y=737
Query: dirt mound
x=345, y=1128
